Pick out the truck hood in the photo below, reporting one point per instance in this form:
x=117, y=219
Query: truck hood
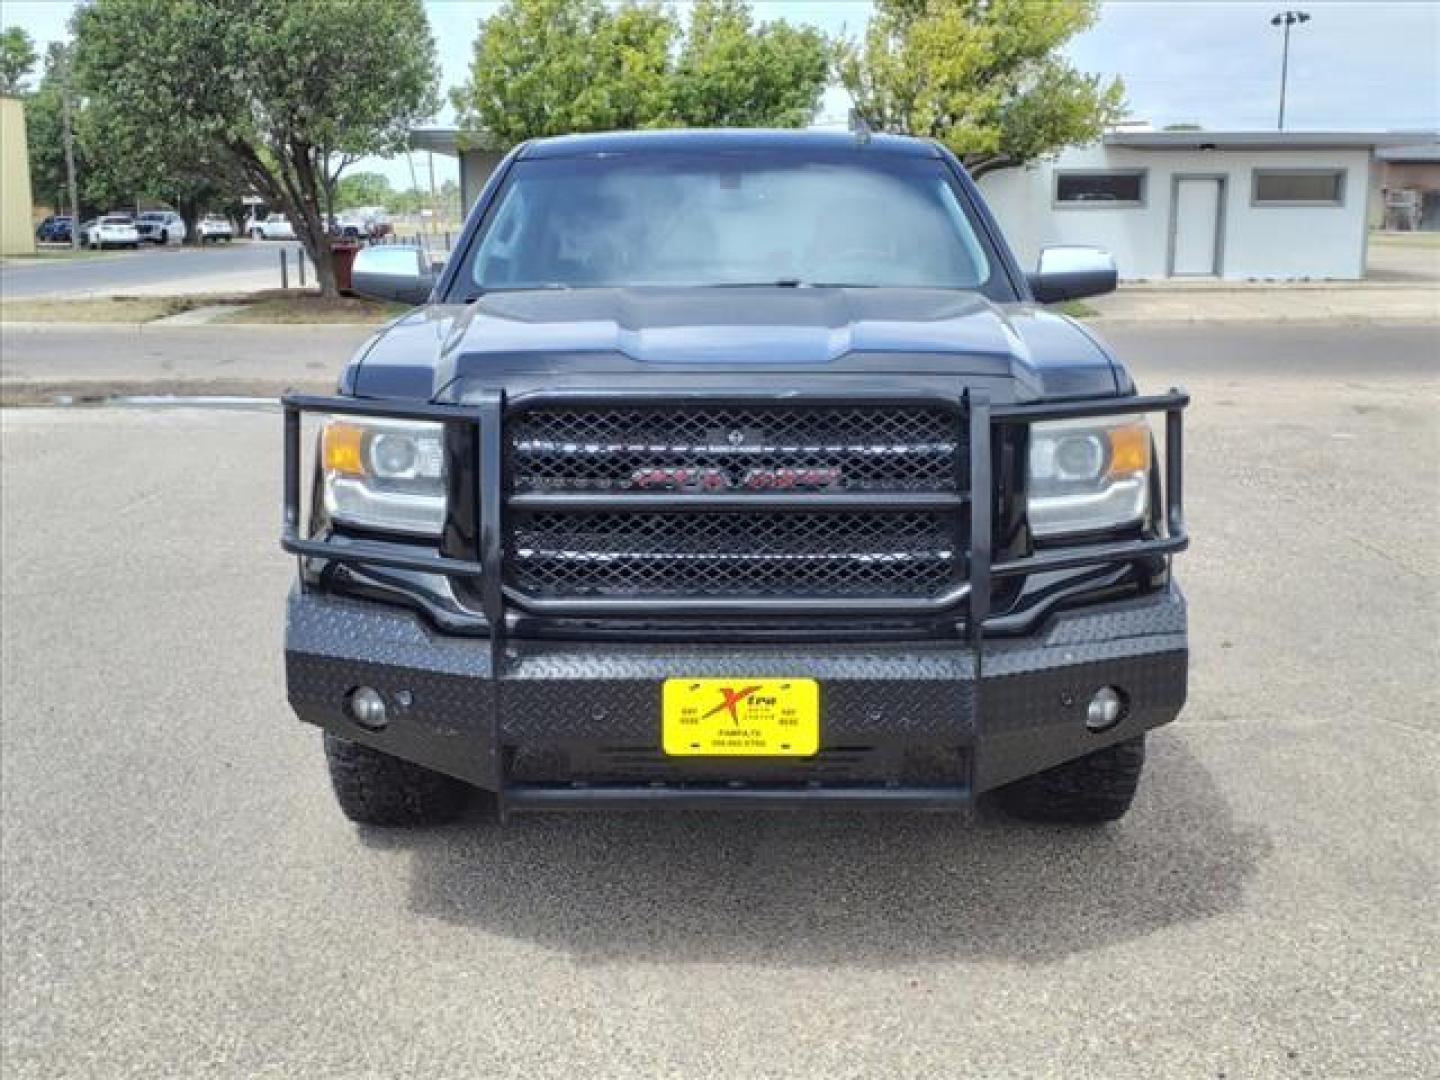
x=547, y=338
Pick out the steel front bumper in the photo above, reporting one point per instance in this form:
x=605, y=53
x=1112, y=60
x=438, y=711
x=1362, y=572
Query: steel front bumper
x=564, y=724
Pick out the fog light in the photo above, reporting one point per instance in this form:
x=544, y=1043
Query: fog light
x=1105, y=709
x=367, y=707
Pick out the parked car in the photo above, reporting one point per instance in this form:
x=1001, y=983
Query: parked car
x=270, y=227
x=112, y=230
x=734, y=469
x=214, y=228
x=364, y=223
x=350, y=226
x=161, y=227
x=55, y=229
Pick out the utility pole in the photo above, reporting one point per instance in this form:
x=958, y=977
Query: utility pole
x=1286, y=19
x=434, y=203
x=68, y=138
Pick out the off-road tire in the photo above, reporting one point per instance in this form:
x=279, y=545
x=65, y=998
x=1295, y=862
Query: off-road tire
x=1091, y=790
x=376, y=789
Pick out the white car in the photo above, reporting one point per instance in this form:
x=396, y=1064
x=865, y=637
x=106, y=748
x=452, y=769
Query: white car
x=161, y=227
x=270, y=227
x=215, y=227
x=112, y=230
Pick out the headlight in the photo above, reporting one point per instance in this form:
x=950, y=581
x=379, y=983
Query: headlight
x=1088, y=475
x=385, y=474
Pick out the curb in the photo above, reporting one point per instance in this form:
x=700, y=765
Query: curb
x=29, y=393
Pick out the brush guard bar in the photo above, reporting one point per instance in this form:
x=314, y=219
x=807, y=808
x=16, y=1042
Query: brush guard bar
x=969, y=596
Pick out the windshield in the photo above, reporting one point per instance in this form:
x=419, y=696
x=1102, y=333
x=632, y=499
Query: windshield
x=733, y=219
x=116, y=221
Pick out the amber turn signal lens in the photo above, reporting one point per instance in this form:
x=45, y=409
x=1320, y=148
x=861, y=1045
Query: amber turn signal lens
x=1129, y=449
x=340, y=447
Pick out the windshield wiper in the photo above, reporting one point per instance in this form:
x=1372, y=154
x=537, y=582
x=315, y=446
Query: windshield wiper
x=776, y=283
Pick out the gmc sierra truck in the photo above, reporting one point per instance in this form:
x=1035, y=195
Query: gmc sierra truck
x=733, y=469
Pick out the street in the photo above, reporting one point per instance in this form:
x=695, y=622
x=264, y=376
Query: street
x=181, y=897
x=176, y=270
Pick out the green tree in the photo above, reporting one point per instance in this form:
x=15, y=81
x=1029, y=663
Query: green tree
x=126, y=167
x=731, y=73
x=985, y=77
x=363, y=189
x=277, y=97
x=551, y=67
x=17, y=59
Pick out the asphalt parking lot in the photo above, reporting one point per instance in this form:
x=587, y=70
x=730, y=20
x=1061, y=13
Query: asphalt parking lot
x=181, y=898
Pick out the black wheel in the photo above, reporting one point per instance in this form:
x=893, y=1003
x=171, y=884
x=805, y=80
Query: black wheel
x=376, y=789
x=1096, y=788
x=164, y=237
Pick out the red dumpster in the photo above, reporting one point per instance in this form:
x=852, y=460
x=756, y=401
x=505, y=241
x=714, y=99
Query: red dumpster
x=343, y=253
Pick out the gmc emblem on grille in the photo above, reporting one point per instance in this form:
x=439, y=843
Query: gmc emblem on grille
x=790, y=479
x=703, y=480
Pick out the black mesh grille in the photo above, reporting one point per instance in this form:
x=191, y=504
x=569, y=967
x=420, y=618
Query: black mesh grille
x=619, y=552
x=742, y=554
x=903, y=448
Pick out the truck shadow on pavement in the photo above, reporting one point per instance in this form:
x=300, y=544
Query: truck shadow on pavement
x=810, y=889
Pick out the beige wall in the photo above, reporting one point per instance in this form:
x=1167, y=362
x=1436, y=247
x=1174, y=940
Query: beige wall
x=16, y=235
x=475, y=169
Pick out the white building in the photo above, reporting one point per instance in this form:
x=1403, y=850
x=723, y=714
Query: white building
x=1237, y=205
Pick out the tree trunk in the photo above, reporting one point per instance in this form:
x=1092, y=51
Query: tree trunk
x=315, y=232
x=325, y=270
x=190, y=214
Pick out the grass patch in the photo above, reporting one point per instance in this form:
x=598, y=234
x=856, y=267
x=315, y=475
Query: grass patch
x=99, y=309
x=1076, y=309
x=312, y=308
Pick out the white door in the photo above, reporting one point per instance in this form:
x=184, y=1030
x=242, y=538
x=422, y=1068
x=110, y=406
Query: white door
x=1197, y=215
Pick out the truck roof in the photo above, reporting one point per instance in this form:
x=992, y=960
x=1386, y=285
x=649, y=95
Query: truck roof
x=723, y=139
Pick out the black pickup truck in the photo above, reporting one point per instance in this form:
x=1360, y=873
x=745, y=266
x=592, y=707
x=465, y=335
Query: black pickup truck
x=733, y=469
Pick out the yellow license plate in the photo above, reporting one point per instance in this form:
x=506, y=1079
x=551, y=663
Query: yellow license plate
x=740, y=717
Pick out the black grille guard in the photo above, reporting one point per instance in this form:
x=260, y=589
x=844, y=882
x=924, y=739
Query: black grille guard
x=485, y=562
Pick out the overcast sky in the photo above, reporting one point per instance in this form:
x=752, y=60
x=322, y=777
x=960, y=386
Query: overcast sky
x=1357, y=65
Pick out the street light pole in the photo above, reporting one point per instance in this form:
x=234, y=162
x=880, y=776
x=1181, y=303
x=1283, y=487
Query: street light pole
x=1286, y=19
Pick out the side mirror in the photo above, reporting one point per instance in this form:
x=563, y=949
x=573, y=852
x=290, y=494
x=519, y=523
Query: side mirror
x=393, y=273
x=1070, y=273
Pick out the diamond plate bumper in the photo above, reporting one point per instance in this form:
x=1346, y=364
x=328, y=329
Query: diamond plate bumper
x=580, y=721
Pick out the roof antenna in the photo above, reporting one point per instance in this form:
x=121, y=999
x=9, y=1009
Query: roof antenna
x=859, y=128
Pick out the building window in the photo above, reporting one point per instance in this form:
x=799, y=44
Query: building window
x=1297, y=187
x=1106, y=189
